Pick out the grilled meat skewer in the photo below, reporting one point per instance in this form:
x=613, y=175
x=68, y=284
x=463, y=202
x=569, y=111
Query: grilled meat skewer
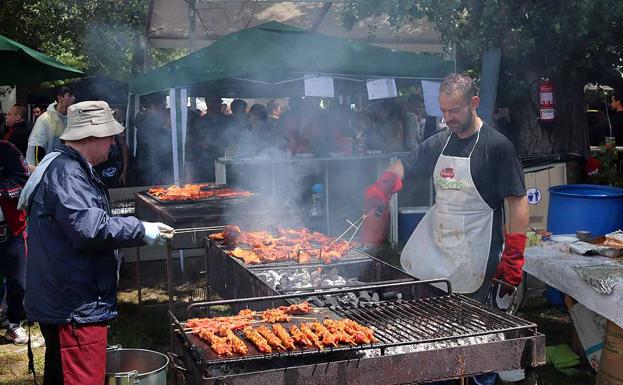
x=309, y=333
x=256, y=338
x=283, y=335
x=299, y=337
x=270, y=337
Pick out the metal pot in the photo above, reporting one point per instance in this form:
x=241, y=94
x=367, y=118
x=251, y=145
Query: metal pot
x=135, y=367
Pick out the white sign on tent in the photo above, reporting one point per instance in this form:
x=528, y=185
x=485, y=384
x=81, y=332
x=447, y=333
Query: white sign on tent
x=381, y=88
x=320, y=86
x=431, y=98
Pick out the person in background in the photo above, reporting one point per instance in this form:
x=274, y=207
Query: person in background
x=274, y=111
x=36, y=112
x=290, y=127
x=16, y=129
x=239, y=119
x=388, y=120
x=114, y=171
x=414, y=133
x=616, y=116
x=475, y=171
x=429, y=125
x=49, y=127
x=154, y=154
x=14, y=173
x=71, y=278
x=207, y=139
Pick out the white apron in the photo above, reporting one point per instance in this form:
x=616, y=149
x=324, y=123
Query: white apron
x=454, y=237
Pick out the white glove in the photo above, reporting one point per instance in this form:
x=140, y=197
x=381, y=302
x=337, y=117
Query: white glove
x=156, y=232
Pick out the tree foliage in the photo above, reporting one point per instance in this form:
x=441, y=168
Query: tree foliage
x=98, y=36
x=571, y=41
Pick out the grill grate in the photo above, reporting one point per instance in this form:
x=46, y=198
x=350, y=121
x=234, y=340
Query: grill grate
x=431, y=319
x=406, y=322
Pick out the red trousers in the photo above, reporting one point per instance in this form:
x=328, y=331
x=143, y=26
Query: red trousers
x=75, y=354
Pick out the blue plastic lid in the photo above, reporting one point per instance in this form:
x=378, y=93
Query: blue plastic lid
x=587, y=191
x=318, y=188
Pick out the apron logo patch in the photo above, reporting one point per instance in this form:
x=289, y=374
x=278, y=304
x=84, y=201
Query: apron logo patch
x=450, y=184
x=447, y=173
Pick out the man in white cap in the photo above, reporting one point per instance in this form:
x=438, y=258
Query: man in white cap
x=71, y=274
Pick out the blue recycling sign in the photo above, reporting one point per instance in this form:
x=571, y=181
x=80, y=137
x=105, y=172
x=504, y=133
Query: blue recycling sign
x=534, y=195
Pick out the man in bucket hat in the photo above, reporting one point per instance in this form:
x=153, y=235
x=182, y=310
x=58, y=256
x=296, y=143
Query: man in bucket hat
x=71, y=279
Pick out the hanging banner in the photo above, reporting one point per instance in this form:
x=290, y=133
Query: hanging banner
x=381, y=88
x=320, y=86
x=431, y=98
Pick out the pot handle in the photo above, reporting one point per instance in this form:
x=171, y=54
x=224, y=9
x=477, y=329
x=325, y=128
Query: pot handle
x=172, y=360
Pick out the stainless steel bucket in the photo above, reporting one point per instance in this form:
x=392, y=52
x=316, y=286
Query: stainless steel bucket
x=135, y=367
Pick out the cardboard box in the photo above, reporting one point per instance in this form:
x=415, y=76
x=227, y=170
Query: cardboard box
x=538, y=181
x=590, y=328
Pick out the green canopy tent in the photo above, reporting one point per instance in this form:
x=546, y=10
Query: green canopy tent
x=275, y=54
x=21, y=65
x=271, y=60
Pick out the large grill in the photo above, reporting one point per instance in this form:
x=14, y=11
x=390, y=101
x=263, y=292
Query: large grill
x=418, y=340
x=249, y=211
x=245, y=281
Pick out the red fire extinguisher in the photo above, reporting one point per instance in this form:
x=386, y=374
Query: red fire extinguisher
x=547, y=112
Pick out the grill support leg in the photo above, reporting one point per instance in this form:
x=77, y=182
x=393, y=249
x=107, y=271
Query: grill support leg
x=531, y=376
x=169, y=276
x=139, y=287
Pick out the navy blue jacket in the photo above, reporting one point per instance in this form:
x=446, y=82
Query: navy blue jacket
x=72, y=257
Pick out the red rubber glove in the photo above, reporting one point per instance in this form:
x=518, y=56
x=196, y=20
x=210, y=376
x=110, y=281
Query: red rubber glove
x=511, y=263
x=379, y=194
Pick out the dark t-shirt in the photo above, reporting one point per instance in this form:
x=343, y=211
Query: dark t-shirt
x=495, y=165
x=496, y=170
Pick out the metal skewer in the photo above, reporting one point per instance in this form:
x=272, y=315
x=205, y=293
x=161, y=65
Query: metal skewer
x=363, y=219
x=352, y=225
x=197, y=229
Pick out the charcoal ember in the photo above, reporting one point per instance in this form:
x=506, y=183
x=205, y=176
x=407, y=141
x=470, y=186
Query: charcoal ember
x=352, y=297
x=316, y=301
x=284, y=282
x=301, y=280
x=364, y=296
x=389, y=295
x=334, y=274
x=399, y=296
x=330, y=300
x=343, y=300
x=375, y=297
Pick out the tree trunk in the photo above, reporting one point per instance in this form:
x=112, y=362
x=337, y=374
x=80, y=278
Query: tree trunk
x=569, y=134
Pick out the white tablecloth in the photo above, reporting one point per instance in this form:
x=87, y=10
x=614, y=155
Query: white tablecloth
x=555, y=268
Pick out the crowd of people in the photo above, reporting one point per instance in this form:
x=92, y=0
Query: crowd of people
x=276, y=129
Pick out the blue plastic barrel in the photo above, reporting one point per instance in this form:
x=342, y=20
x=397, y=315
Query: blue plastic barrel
x=408, y=219
x=572, y=207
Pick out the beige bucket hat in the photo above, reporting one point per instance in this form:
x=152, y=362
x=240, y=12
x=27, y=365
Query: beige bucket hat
x=92, y=118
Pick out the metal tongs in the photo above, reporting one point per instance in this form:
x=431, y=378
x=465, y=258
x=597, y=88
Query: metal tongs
x=192, y=231
x=354, y=227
